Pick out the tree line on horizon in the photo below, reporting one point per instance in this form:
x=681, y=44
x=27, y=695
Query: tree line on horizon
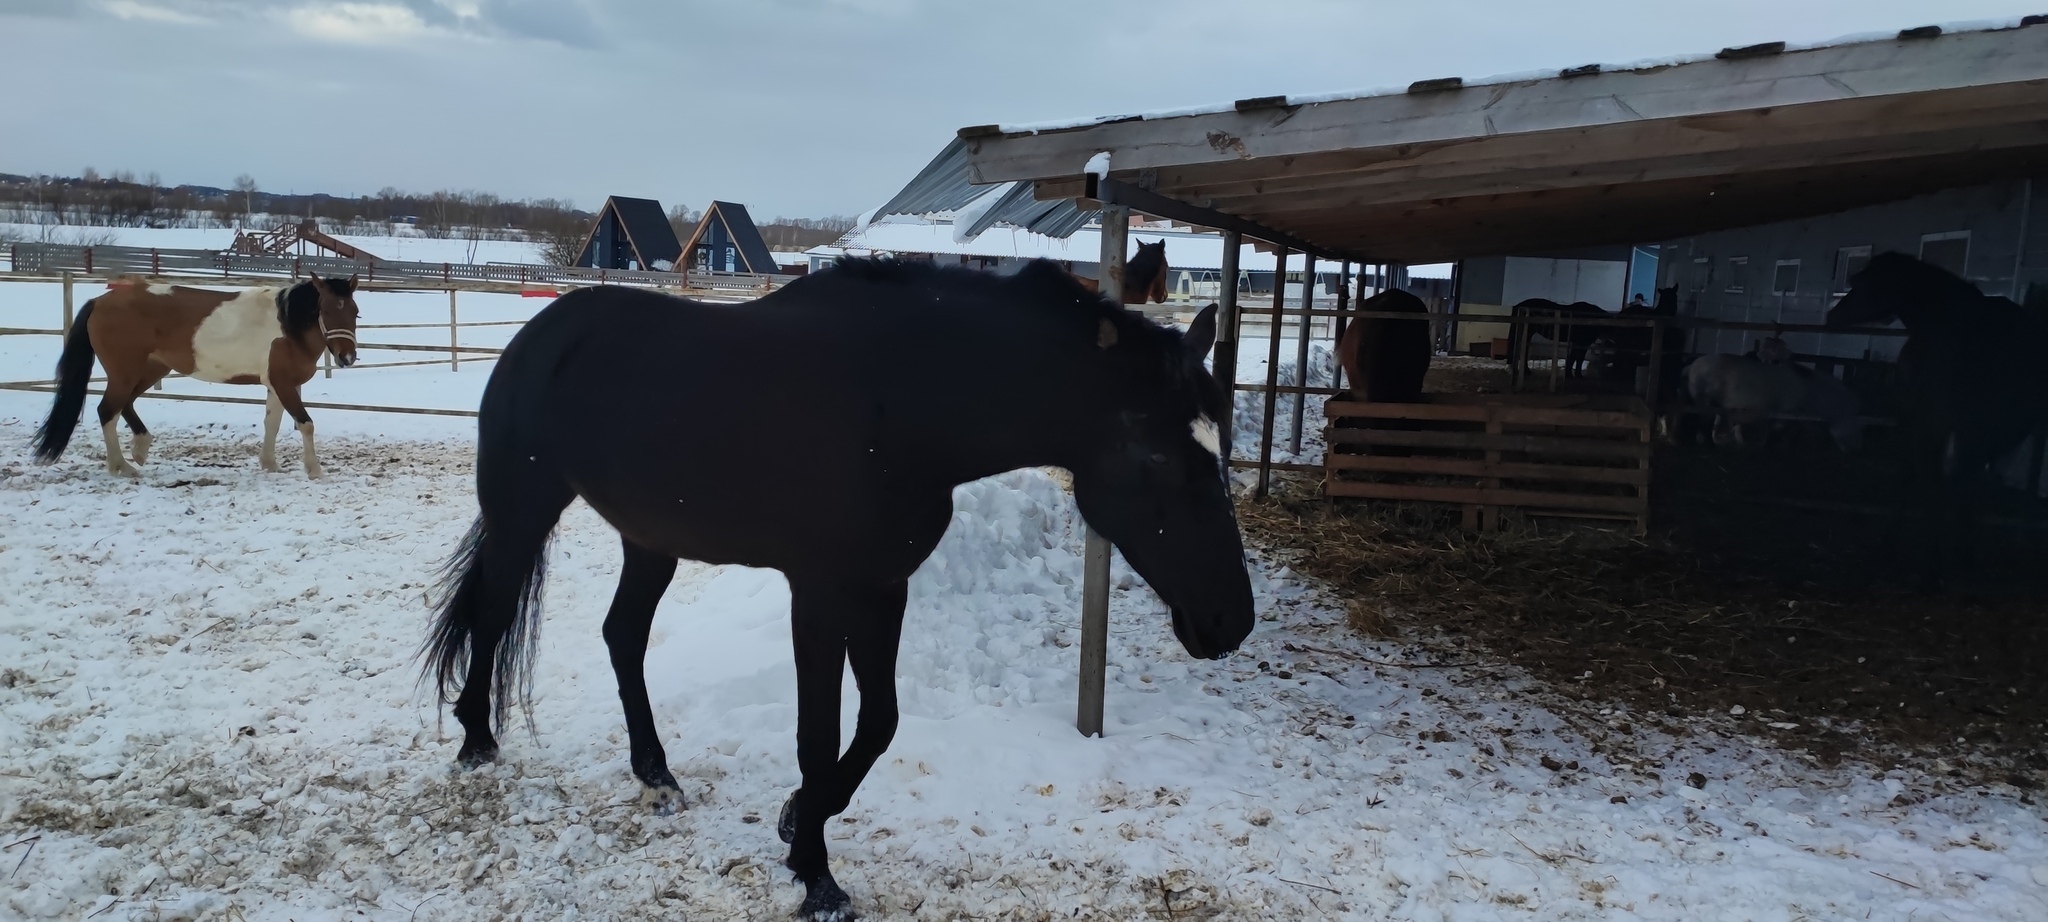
x=556, y=226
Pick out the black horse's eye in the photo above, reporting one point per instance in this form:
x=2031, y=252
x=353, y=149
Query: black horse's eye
x=1158, y=457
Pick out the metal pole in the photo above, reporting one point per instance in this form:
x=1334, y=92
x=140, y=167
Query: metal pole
x=1308, y=298
x=454, y=336
x=1116, y=223
x=1272, y=371
x=1227, y=323
x=66, y=331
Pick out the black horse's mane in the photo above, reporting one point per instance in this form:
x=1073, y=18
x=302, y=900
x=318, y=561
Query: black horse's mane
x=1039, y=282
x=298, y=307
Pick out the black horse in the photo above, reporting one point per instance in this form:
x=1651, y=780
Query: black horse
x=863, y=395
x=1971, y=383
x=1579, y=337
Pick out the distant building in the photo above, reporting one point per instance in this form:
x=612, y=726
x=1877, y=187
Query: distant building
x=631, y=234
x=726, y=240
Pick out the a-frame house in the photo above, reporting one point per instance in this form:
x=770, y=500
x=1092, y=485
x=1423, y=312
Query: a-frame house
x=632, y=234
x=726, y=240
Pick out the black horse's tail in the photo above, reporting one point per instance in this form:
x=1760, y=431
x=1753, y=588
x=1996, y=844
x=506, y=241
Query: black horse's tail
x=490, y=589
x=74, y=372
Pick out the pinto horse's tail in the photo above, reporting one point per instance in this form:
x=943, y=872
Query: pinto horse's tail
x=487, y=623
x=74, y=372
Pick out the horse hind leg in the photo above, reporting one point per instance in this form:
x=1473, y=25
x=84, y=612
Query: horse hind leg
x=642, y=581
x=113, y=406
x=273, y=413
x=138, y=431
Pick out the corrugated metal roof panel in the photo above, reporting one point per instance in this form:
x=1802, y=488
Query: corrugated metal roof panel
x=945, y=185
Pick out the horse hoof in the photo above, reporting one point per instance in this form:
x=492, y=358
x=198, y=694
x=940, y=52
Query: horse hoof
x=663, y=800
x=786, y=825
x=825, y=902
x=476, y=758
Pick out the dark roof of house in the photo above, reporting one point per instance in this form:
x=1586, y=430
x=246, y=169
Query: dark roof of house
x=739, y=225
x=647, y=228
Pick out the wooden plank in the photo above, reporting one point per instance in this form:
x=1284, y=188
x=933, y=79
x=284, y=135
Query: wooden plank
x=1477, y=441
x=1861, y=76
x=1475, y=467
x=1252, y=464
x=1626, y=505
x=1487, y=412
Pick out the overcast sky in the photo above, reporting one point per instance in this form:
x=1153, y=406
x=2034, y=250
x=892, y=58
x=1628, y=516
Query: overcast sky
x=794, y=107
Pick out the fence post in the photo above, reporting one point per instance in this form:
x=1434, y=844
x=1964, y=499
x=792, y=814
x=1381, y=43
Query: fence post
x=1116, y=232
x=454, y=341
x=326, y=363
x=1308, y=301
x=66, y=331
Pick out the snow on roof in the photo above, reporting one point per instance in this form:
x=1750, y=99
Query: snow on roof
x=1526, y=76
x=790, y=258
x=1184, y=249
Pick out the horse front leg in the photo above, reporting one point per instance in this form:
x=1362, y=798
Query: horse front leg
x=113, y=404
x=642, y=581
x=833, y=624
x=288, y=395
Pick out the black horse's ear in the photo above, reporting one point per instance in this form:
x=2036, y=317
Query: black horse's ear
x=1201, y=334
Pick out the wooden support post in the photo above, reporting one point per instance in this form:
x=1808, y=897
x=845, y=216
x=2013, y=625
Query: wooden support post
x=326, y=364
x=1653, y=369
x=1227, y=329
x=1272, y=372
x=66, y=330
x=1308, y=298
x=1116, y=232
x=454, y=336
x=1337, y=326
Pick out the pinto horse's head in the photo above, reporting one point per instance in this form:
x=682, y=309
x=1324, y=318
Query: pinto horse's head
x=1152, y=481
x=337, y=316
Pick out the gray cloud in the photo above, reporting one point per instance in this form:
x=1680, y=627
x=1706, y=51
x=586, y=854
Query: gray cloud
x=791, y=106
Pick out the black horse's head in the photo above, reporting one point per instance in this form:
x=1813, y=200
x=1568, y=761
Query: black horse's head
x=1150, y=478
x=1892, y=286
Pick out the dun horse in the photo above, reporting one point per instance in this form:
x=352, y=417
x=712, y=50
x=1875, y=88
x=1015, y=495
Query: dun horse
x=1972, y=384
x=632, y=400
x=140, y=333
x=1144, y=275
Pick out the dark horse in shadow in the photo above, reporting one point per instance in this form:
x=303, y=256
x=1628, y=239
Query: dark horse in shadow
x=1577, y=337
x=1972, y=388
x=907, y=381
x=1144, y=275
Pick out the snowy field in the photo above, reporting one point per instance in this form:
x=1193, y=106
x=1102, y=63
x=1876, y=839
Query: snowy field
x=208, y=710
x=410, y=247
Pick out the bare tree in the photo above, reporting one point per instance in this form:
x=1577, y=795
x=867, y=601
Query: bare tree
x=246, y=184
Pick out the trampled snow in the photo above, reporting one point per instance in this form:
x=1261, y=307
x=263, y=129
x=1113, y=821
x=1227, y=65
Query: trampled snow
x=208, y=709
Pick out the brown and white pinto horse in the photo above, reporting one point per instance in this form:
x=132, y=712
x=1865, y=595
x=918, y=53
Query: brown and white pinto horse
x=141, y=332
x=1144, y=275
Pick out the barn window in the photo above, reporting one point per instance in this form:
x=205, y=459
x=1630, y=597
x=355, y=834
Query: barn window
x=1738, y=266
x=1848, y=262
x=1702, y=273
x=1949, y=250
x=1785, y=280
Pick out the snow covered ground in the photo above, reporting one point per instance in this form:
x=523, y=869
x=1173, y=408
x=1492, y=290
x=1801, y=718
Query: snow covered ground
x=208, y=709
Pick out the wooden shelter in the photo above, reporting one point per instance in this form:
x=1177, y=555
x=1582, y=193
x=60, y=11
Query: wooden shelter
x=1591, y=155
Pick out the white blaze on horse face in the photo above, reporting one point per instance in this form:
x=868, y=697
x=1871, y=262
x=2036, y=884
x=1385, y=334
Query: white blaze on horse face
x=235, y=339
x=160, y=289
x=1204, y=430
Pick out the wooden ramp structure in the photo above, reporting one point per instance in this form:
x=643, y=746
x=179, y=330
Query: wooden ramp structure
x=280, y=241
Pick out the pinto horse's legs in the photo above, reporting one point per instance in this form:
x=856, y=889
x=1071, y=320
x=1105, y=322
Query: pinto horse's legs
x=644, y=578
x=273, y=411
x=113, y=404
x=289, y=397
x=140, y=432
x=832, y=625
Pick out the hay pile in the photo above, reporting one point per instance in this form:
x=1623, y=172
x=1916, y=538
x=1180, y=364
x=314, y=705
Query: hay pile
x=1671, y=636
